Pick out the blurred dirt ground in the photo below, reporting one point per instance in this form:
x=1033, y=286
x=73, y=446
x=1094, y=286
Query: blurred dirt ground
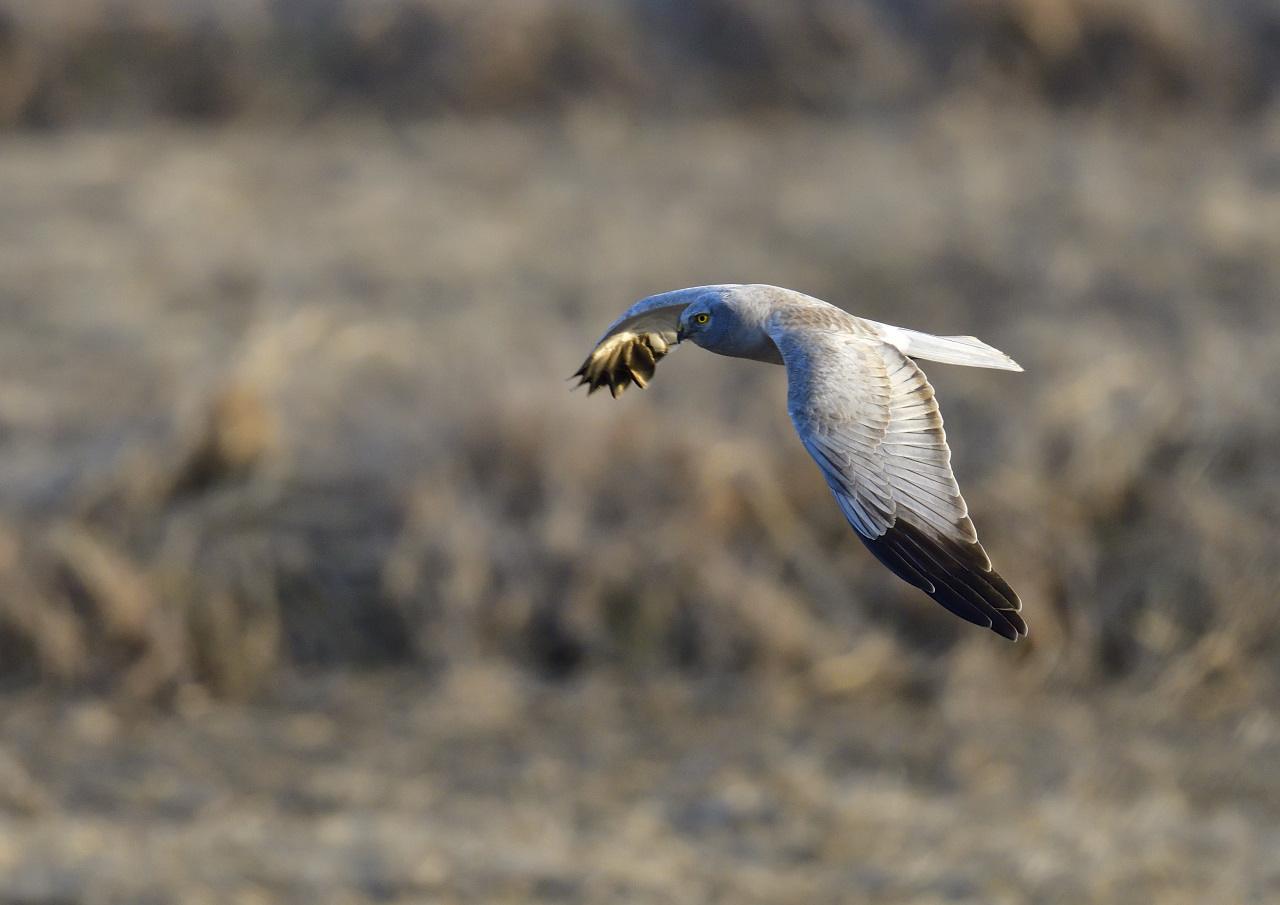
x=495, y=787
x=318, y=585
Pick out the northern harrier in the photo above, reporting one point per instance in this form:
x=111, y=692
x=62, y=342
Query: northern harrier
x=864, y=411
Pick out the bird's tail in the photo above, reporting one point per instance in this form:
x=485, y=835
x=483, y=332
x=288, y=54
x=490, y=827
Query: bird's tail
x=951, y=350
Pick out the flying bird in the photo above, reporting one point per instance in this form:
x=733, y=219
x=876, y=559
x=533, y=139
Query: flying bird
x=863, y=410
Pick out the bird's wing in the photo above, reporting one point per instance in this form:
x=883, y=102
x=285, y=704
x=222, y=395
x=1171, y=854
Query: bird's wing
x=868, y=417
x=631, y=349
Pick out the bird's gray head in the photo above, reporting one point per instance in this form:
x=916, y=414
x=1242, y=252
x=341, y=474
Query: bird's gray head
x=711, y=320
x=730, y=320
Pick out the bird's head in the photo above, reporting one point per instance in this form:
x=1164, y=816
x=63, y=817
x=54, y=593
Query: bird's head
x=709, y=321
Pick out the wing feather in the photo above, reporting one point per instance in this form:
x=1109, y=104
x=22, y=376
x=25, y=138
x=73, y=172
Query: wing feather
x=868, y=416
x=630, y=350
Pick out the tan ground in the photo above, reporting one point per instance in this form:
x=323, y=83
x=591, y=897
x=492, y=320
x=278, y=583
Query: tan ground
x=493, y=787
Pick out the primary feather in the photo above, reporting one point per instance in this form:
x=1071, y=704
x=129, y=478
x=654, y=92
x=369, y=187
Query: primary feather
x=631, y=348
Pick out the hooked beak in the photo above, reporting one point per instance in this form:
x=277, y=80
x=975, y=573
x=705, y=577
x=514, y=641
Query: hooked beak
x=680, y=333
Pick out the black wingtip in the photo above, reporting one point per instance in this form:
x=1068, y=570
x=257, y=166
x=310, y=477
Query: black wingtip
x=953, y=574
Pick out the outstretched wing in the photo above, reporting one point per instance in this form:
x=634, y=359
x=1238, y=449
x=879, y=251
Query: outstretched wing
x=631, y=349
x=868, y=417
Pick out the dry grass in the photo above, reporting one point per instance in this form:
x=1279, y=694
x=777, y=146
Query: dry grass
x=282, y=410
x=315, y=409
x=293, y=60
x=318, y=585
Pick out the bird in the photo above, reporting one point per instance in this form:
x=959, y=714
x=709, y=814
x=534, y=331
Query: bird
x=864, y=411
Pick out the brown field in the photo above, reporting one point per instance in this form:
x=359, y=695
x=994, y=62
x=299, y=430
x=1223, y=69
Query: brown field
x=330, y=590
x=317, y=583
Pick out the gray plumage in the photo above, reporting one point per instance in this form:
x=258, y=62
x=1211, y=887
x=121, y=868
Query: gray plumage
x=863, y=410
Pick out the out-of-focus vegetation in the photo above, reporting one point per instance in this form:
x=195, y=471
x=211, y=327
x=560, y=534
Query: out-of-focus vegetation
x=96, y=60
x=273, y=397
x=318, y=584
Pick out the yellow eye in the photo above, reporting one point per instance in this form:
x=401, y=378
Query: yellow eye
x=702, y=318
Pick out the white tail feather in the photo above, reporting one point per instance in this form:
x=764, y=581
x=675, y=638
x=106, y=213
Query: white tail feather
x=952, y=350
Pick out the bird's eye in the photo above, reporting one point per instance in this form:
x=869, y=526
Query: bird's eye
x=702, y=318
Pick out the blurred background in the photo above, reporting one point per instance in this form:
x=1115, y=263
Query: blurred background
x=318, y=585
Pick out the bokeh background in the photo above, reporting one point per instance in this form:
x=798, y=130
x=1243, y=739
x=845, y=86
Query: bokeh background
x=318, y=585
